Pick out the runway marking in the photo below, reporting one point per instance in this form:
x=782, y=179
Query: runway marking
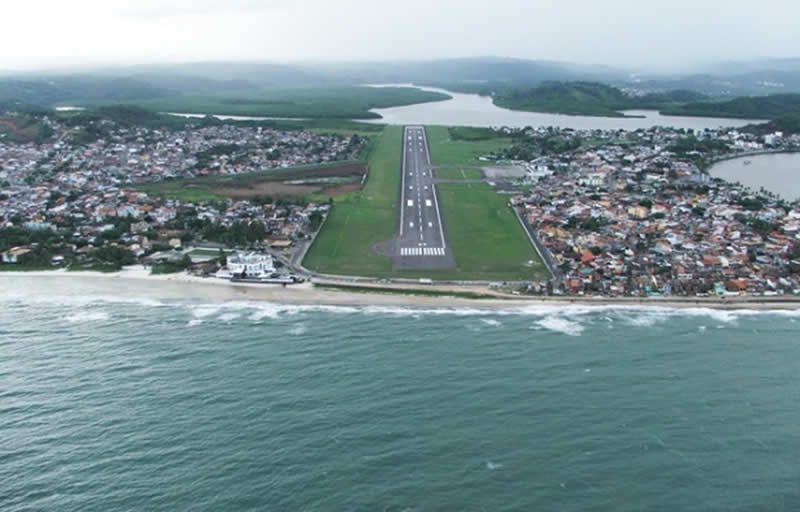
x=422, y=251
x=417, y=160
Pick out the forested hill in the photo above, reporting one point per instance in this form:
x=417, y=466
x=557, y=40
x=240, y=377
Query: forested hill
x=755, y=107
x=587, y=98
x=787, y=124
x=54, y=90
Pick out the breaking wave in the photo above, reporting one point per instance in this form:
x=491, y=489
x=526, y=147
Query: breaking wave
x=298, y=330
x=87, y=316
x=229, y=317
x=256, y=311
x=562, y=325
x=78, y=300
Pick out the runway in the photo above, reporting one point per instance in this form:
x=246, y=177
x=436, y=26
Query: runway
x=421, y=242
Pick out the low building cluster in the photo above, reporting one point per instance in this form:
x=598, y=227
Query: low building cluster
x=632, y=217
x=128, y=156
x=86, y=192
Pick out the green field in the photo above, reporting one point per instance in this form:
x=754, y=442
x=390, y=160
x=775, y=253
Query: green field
x=311, y=102
x=321, y=126
x=486, y=237
x=459, y=173
x=447, y=151
x=487, y=240
x=323, y=181
x=357, y=223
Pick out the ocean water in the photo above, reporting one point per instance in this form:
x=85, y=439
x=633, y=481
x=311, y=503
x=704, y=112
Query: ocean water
x=116, y=404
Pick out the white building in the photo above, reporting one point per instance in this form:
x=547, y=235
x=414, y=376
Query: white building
x=13, y=255
x=250, y=264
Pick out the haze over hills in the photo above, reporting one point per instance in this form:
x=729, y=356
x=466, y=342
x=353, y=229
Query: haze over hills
x=764, y=76
x=286, y=89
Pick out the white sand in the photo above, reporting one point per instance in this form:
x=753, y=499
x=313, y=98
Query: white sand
x=137, y=281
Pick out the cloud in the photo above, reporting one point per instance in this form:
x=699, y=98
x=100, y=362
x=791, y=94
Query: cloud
x=625, y=33
x=179, y=8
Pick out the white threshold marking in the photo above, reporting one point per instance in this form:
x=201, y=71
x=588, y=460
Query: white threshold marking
x=422, y=251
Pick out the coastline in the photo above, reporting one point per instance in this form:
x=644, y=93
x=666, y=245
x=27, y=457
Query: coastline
x=137, y=282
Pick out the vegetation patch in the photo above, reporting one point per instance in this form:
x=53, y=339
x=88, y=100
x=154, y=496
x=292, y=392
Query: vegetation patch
x=487, y=239
x=588, y=99
x=478, y=221
x=363, y=219
x=22, y=129
x=447, y=150
x=167, y=267
x=331, y=180
x=406, y=291
x=472, y=133
x=756, y=107
x=312, y=102
x=459, y=173
x=106, y=268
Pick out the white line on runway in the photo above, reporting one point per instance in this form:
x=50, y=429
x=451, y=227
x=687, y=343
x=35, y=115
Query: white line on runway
x=422, y=251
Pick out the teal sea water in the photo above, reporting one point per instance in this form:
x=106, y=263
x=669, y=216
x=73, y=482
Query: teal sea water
x=114, y=404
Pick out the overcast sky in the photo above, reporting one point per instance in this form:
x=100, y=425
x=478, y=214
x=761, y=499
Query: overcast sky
x=642, y=34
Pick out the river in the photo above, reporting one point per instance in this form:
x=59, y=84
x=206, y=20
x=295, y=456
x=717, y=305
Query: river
x=778, y=173
x=474, y=110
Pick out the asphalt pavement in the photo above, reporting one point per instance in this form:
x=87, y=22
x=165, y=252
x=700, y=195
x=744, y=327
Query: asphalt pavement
x=421, y=242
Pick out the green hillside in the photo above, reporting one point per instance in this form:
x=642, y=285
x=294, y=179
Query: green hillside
x=576, y=98
x=755, y=107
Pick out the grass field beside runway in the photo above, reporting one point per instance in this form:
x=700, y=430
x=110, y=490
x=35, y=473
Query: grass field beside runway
x=458, y=173
x=488, y=242
x=486, y=237
x=447, y=151
x=357, y=223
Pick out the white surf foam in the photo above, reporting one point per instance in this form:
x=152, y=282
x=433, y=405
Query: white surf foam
x=637, y=315
x=415, y=312
x=205, y=311
x=491, y=322
x=491, y=466
x=87, y=316
x=562, y=325
x=644, y=319
x=298, y=330
x=78, y=300
x=229, y=317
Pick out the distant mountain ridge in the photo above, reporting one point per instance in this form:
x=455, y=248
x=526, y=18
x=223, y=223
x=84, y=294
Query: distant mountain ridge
x=536, y=85
x=206, y=78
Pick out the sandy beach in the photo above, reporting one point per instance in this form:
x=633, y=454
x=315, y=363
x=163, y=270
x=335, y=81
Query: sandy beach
x=138, y=282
